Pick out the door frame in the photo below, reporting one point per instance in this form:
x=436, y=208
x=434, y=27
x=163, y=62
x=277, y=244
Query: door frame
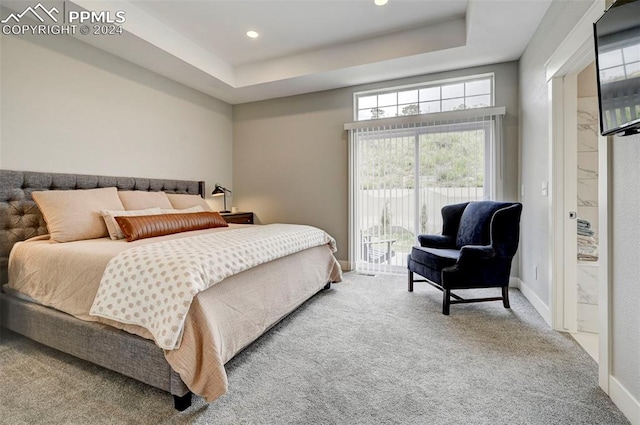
x=573, y=55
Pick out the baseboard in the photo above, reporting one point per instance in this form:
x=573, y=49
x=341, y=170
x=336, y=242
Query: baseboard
x=514, y=282
x=346, y=266
x=536, y=302
x=624, y=400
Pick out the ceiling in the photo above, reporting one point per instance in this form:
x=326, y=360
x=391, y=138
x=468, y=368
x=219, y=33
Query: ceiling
x=292, y=27
x=312, y=45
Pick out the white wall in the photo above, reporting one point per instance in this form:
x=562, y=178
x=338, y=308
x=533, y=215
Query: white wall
x=625, y=282
x=291, y=157
x=534, y=144
x=535, y=163
x=69, y=107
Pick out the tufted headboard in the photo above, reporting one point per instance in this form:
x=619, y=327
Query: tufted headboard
x=20, y=218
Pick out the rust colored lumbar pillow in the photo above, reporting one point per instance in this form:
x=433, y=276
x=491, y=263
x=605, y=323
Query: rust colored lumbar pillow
x=149, y=226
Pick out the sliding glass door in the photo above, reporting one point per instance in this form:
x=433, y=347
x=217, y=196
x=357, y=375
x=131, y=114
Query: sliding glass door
x=403, y=175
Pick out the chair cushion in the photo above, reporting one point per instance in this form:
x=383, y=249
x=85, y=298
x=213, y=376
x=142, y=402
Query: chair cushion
x=475, y=223
x=435, y=258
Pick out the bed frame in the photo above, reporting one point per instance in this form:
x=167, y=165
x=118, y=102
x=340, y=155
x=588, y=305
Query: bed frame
x=128, y=354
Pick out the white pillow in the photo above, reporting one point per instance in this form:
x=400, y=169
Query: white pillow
x=112, y=225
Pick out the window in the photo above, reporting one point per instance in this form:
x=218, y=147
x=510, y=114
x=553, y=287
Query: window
x=440, y=96
x=440, y=143
x=401, y=176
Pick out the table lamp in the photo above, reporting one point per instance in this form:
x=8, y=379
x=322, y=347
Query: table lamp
x=222, y=191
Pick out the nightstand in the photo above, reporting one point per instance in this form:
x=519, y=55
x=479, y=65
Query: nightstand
x=238, y=218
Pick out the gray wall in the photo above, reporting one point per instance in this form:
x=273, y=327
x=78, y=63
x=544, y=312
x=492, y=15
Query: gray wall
x=625, y=282
x=69, y=107
x=535, y=246
x=290, y=154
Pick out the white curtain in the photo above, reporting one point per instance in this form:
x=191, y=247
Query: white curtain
x=403, y=170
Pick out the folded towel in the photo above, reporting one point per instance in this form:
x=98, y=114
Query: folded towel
x=586, y=257
x=586, y=240
x=585, y=224
x=585, y=232
x=588, y=250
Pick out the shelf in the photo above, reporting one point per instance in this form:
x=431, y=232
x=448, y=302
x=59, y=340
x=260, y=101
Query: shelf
x=588, y=263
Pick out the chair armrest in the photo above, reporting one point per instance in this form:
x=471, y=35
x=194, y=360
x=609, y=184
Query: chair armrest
x=472, y=254
x=437, y=241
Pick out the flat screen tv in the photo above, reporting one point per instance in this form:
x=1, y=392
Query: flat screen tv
x=617, y=41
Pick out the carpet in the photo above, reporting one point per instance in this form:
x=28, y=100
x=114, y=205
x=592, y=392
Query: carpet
x=364, y=352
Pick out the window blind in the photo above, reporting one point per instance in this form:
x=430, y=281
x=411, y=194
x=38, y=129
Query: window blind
x=403, y=170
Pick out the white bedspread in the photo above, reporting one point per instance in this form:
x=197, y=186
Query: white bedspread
x=153, y=285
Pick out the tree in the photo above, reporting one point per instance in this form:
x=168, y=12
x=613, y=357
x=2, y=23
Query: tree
x=454, y=159
x=424, y=218
x=385, y=218
x=412, y=109
x=377, y=113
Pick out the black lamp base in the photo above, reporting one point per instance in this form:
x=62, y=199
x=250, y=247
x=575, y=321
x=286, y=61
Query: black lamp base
x=225, y=212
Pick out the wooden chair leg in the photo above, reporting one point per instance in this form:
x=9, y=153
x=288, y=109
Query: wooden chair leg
x=446, y=298
x=410, y=281
x=505, y=297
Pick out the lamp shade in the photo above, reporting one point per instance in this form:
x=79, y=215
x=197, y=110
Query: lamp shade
x=221, y=191
x=218, y=191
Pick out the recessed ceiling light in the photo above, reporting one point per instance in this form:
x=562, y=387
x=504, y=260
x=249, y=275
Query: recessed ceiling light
x=254, y=34
x=380, y=2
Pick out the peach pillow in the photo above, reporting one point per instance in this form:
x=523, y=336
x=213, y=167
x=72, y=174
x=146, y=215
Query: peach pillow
x=141, y=200
x=73, y=215
x=182, y=201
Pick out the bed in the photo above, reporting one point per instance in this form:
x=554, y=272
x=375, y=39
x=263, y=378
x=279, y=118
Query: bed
x=221, y=320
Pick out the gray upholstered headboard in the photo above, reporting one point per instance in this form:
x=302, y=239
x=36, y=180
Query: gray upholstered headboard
x=20, y=218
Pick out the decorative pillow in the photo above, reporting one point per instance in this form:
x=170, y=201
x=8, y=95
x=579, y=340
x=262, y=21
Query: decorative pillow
x=141, y=200
x=73, y=215
x=181, y=201
x=112, y=226
x=150, y=226
x=197, y=208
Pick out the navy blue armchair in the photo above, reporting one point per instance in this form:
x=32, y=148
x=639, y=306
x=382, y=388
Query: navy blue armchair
x=478, y=242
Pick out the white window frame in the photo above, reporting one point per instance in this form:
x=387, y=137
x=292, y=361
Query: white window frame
x=424, y=85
